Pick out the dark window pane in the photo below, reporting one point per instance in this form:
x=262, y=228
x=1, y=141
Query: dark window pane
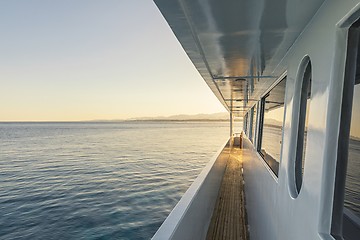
x=253, y=124
x=245, y=124
x=273, y=115
x=346, y=210
x=249, y=127
x=352, y=184
x=303, y=126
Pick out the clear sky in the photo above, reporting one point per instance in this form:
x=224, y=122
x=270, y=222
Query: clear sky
x=86, y=59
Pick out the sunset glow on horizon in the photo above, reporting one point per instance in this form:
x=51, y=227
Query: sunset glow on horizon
x=92, y=60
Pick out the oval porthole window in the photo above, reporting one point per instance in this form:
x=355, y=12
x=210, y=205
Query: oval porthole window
x=304, y=107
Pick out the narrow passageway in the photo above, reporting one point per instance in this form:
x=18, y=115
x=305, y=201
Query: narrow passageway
x=228, y=220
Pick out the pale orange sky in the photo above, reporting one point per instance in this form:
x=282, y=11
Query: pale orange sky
x=85, y=60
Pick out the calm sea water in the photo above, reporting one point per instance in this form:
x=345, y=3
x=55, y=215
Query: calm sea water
x=98, y=180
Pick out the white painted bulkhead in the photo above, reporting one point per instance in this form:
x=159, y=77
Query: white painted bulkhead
x=273, y=213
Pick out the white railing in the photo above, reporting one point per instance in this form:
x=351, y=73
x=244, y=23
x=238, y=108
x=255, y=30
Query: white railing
x=191, y=217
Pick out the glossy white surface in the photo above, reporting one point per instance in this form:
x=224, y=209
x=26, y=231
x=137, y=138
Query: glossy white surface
x=191, y=216
x=237, y=45
x=308, y=216
x=265, y=39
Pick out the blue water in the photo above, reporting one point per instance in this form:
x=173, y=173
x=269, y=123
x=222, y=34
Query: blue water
x=98, y=180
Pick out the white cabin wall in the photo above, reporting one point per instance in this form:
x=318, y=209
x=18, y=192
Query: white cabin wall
x=269, y=202
x=260, y=188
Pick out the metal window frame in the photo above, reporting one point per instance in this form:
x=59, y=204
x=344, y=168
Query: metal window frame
x=299, y=158
x=261, y=122
x=339, y=211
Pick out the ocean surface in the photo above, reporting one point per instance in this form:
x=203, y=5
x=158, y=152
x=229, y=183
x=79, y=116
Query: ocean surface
x=98, y=180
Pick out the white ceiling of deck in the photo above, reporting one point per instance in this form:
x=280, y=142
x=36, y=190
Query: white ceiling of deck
x=237, y=45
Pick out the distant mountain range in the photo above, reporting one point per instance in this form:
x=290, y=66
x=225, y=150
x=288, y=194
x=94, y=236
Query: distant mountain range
x=221, y=116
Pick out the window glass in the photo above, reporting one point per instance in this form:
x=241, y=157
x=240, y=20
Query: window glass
x=305, y=96
x=352, y=183
x=346, y=210
x=249, y=127
x=254, y=124
x=245, y=124
x=273, y=116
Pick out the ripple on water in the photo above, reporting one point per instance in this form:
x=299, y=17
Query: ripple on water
x=94, y=180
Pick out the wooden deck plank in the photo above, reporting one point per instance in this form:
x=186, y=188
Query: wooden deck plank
x=228, y=220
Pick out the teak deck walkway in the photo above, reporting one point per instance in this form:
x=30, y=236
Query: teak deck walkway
x=228, y=220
